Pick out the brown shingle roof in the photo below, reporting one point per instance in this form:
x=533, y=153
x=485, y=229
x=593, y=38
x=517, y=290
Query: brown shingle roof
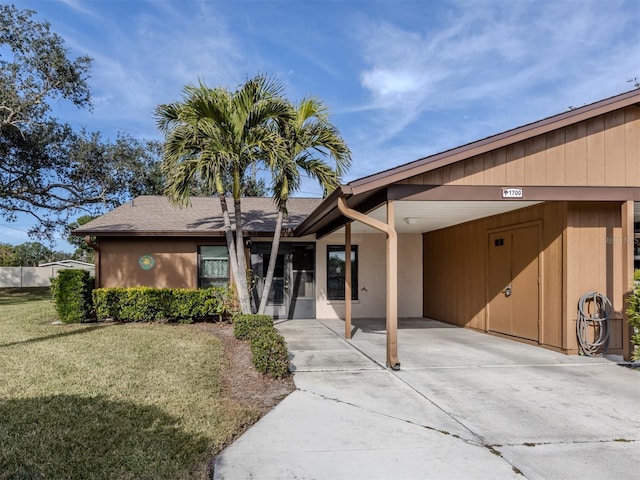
x=154, y=215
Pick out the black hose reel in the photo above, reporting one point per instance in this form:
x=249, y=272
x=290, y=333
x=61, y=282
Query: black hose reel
x=593, y=324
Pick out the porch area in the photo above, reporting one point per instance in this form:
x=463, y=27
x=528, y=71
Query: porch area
x=423, y=344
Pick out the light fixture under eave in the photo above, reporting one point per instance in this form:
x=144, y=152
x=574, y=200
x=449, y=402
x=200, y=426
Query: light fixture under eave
x=410, y=220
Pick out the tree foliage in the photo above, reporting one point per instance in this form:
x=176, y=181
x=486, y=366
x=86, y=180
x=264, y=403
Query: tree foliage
x=310, y=145
x=28, y=254
x=216, y=139
x=47, y=169
x=35, y=68
x=217, y=134
x=83, y=252
x=6, y=255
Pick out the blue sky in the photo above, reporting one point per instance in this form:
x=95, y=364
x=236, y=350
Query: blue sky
x=403, y=79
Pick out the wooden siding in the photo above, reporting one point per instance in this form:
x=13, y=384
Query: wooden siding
x=455, y=268
x=454, y=275
x=604, y=150
x=581, y=251
x=175, y=267
x=594, y=263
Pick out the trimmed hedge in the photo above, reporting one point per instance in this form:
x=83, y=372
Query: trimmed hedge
x=71, y=292
x=244, y=324
x=146, y=304
x=633, y=310
x=269, y=352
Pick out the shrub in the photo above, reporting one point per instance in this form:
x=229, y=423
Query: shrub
x=633, y=310
x=105, y=301
x=71, y=292
x=269, y=352
x=205, y=303
x=244, y=324
x=146, y=304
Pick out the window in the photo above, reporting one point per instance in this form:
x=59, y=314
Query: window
x=214, y=266
x=336, y=269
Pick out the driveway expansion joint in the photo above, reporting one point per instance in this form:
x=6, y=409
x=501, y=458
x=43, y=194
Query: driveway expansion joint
x=574, y=442
x=481, y=439
x=393, y=417
x=352, y=345
x=494, y=449
x=333, y=370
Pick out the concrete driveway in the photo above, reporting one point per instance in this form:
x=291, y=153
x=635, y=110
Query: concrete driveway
x=464, y=405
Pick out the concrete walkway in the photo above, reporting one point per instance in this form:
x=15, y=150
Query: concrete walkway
x=464, y=405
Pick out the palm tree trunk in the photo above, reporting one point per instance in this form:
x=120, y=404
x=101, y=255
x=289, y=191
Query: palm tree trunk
x=238, y=278
x=275, y=246
x=243, y=292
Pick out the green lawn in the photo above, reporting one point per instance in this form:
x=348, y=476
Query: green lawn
x=107, y=401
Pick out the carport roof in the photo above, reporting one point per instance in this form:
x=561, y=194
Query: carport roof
x=367, y=194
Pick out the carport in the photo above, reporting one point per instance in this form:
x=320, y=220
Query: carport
x=464, y=405
x=514, y=227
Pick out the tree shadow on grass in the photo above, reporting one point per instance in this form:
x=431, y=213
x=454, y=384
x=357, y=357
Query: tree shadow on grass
x=57, y=335
x=73, y=437
x=18, y=296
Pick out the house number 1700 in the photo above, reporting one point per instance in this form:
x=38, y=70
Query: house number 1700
x=511, y=192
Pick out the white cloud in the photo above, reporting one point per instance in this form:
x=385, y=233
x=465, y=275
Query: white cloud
x=80, y=6
x=520, y=61
x=385, y=82
x=148, y=60
x=404, y=78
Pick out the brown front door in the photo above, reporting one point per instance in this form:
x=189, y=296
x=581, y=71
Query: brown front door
x=513, y=282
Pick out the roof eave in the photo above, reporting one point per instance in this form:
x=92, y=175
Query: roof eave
x=146, y=233
x=321, y=210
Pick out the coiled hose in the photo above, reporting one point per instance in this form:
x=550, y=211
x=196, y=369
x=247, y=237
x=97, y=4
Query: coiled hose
x=593, y=324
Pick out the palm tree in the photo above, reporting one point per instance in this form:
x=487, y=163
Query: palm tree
x=215, y=133
x=308, y=141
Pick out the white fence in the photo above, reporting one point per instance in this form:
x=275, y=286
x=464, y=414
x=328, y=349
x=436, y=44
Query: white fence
x=29, y=276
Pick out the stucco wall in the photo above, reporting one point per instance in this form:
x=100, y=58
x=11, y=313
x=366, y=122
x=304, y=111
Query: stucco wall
x=175, y=262
x=371, y=301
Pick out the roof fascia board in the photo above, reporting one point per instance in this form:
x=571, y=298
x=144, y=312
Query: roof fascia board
x=453, y=193
x=320, y=211
x=159, y=233
x=173, y=233
x=494, y=142
x=494, y=193
x=333, y=219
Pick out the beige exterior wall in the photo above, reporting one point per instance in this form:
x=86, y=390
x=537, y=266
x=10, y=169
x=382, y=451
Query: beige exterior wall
x=176, y=267
x=603, y=151
x=372, y=276
x=175, y=261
